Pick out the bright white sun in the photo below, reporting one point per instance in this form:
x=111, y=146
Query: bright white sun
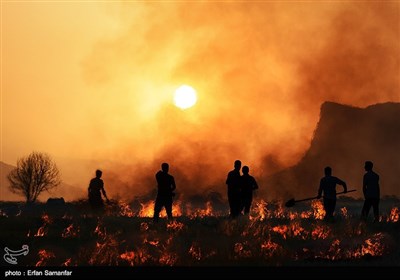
x=185, y=97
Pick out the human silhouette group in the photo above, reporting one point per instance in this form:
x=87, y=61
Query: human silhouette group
x=240, y=188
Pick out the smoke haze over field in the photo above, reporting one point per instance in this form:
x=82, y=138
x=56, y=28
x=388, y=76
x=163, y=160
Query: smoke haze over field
x=94, y=81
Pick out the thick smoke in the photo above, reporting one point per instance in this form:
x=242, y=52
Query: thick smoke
x=262, y=71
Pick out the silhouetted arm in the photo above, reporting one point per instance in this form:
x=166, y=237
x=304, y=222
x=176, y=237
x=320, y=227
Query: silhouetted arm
x=320, y=189
x=342, y=183
x=227, y=179
x=255, y=186
x=364, y=185
x=173, y=186
x=104, y=192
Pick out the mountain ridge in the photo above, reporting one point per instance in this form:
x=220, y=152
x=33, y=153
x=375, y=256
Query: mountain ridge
x=344, y=138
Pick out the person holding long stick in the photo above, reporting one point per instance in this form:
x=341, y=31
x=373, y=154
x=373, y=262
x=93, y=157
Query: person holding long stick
x=327, y=186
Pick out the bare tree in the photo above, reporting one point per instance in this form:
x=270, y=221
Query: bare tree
x=33, y=175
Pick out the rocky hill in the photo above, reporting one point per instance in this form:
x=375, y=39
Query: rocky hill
x=345, y=137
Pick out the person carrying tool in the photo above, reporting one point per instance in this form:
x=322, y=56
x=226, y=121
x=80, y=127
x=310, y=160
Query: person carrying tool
x=327, y=186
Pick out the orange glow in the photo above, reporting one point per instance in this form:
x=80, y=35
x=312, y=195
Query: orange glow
x=108, y=77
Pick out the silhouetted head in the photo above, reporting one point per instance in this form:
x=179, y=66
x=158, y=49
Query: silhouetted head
x=165, y=167
x=328, y=171
x=237, y=164
x=245, y=170
x=98, y=173
x=368, y=165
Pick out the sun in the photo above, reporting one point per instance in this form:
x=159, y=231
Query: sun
x=185, y=97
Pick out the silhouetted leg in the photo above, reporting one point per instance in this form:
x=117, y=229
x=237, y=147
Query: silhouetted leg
x=157, y=209
x=168, y=207
x=375, y=206
x=247, y=203
x=237, y=204
x=329, y=206
x=97, y=206
x=365, y=209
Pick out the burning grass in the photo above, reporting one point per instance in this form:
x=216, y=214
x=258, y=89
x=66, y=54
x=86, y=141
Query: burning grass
x=205, y=235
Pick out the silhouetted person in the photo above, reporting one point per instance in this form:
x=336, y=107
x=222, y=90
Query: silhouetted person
x=96, y=188
x=165, y=186
x=233, y=181
x=371, y=192
x=327, y=186
x=247, y=186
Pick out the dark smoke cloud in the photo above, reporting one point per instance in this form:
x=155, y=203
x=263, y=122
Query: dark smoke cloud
x=262, y=71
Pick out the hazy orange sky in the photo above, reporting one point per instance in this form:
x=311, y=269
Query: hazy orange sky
x=91, y=83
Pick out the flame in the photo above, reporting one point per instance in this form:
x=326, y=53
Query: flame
x=298, y=230
x=195, y=251
x=201, y=213
x=293, y=230
x=42, y=231
x=176, y=210
x=318, y=209
x=44, y=256
x=241, y=251
x=3, y=214
x=320, y=232
x=100, y=230
x=282, y=230
x=373, y=246
x=306, y=214
x=334, y=250
x=292, y=215
x=46, y=219
x=269, y=248
x=168, y=259
x=394, y=215
x=280, y=212
x=105, y=253
x=254, y=238
x=128, y=256
x=344, y=212
x=144, y=226
x=67, y=262
x=175, y=226
x=125, y=210
x=70, y=231
x=260, y=210
x=153, y=242
x=147, y=209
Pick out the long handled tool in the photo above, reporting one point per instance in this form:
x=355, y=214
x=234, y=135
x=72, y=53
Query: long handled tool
x=292, y=202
